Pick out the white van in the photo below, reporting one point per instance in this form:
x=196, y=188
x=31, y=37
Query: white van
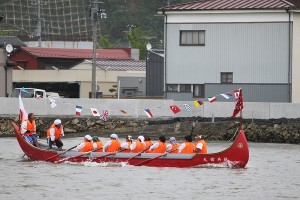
x=29, y=93
x=34, y=93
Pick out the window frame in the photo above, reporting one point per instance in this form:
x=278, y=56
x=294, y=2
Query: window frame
x=201, y=91
x=225, y=77
x=192, y=43
x=173, y=86
x=183, y=88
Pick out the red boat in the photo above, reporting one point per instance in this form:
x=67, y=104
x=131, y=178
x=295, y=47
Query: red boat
x=236, y=156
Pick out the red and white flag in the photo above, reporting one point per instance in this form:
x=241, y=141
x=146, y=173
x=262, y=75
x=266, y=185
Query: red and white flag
x=212, y=99
x=148, y=113
x=175, y=109
x=23, y=113
x=78, y=110
x=236, y=94
x=239, y=103
x=95, y=112
x=104, y=115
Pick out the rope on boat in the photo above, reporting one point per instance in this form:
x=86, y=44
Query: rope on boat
x=237, y=130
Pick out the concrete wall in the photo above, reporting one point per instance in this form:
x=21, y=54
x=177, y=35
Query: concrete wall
x=159, y=108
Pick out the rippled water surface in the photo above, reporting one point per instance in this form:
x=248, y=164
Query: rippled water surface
x=273, y=172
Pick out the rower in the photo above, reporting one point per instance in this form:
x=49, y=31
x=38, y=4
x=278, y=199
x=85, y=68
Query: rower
x=172, y=146
x=159, y=146
x=86, y=145
x=97, y=144
x=188, y=146
x=113, y=144
x=148, y=143
x=28, y=130
x=201, y=146
x=54, y=133
x=139, y=145
x=126, y=145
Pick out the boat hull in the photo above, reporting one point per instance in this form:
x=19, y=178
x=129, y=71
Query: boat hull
x=236, y=156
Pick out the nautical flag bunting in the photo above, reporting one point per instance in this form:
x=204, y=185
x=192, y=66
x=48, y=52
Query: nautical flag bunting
x=175, y=109
x=148, y=113
x=226, y=95
x=95, y=112
x=212, y=99
x=78, y=110
x=104, y=115
x=124, y=112
x=187, y=106
x=198, y=103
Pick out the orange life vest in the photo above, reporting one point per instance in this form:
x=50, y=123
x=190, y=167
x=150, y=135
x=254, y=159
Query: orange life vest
x=127, y=150
x=204, y=147
x=174, y=146
x=57, y=133
x=30, y=127
x=87, y=147
x=115, y=146
x=161, y=148
x=99, y=145
x=148, y=144
x=138, y=147
x=189, y=147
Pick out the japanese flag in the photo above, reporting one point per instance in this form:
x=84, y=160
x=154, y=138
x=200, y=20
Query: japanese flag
x=95, y=112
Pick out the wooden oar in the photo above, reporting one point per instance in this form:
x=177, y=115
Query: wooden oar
x=60, y=153
x=139, y=153
x=85, y=153
x=149, y=160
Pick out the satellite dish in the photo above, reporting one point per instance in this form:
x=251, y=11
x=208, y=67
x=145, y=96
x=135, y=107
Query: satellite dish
x=148, y=46
x=9, y=48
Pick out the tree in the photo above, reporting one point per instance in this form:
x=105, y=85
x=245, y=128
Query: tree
x=138, y=40
x=114, y=89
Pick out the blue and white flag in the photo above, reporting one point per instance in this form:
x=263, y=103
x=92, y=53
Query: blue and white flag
x=187, y=106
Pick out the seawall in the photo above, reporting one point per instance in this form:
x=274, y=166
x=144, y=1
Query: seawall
x=221, y=129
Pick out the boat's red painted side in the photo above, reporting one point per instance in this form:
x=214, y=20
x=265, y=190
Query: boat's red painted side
x=237, y=155
x=30, y=151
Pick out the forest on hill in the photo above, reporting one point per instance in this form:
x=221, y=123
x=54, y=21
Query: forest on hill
x=136, y=21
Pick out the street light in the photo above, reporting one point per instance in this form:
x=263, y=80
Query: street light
x=96, y=13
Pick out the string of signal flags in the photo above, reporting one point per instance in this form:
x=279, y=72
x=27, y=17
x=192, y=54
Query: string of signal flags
x=148, y=112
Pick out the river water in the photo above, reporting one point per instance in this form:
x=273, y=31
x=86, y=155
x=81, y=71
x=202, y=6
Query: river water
x=273, y=172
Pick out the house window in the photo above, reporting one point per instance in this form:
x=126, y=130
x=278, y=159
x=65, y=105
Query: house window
x=172, y=88
x=185, y=88
x=192, y=38
x=198, y=90
x=226, y=77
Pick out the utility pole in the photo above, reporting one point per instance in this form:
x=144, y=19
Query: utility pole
x=96, y=13
x=38, y=32
x=130, y=26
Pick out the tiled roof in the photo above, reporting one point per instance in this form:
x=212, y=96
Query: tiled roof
x=113, y=54
x=121, y=65
x=13, y=40
x=234, y=5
